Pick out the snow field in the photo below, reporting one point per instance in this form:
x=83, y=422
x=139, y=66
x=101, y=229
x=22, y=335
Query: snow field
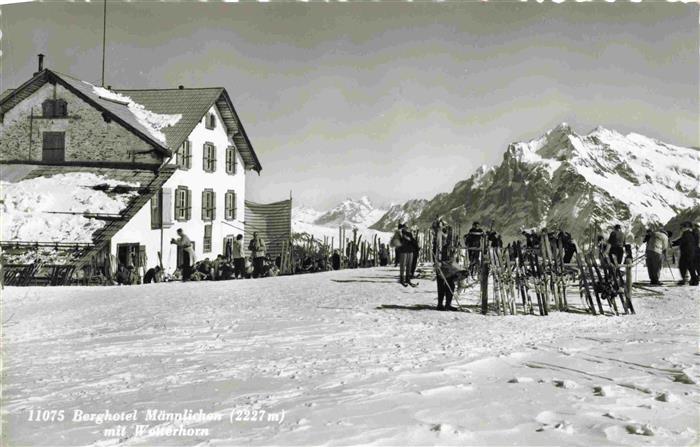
x=351, y=357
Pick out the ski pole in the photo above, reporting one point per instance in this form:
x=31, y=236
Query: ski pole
x=668, y=264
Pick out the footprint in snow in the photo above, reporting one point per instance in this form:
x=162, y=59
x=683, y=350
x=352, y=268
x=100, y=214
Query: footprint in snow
x=640, y=429
x=566, y=384
x=666, y=397
x=521, y=380
x=603, y=391
x=563, y=426
x=683, y=378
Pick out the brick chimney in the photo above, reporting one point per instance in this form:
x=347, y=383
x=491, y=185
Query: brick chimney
x=41, y=63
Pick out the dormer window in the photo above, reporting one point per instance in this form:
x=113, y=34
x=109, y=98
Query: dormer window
x=210, y=121
x=54, y=108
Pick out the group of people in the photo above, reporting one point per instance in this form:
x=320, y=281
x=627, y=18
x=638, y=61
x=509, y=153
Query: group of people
x=230, y=265
x=657, y=242
x=405, y=242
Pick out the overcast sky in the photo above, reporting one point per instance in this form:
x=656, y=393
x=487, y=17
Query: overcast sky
x=393, y=101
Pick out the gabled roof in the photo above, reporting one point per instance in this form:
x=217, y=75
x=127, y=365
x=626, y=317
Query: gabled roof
x=193, y=104
x=86, y=91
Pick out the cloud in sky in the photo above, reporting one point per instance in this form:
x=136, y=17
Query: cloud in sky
x=394, y=101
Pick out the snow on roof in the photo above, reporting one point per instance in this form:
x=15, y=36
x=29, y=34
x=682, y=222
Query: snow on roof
x=153, y=122
x=28, y=206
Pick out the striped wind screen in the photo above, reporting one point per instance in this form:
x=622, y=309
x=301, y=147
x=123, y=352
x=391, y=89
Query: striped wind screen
x=272, y=221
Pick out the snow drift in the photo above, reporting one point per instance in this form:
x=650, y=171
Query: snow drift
x=29, y=206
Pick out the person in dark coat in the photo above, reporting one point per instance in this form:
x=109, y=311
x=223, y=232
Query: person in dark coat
x=152, y=275
x=123, y=276
x=415, y=250
x=405, y=251
x=616, y=241
x=257, y=252
x=567, y=243
x=687, y=243
x=696, y=235
x=335, y=260
x=472, y=240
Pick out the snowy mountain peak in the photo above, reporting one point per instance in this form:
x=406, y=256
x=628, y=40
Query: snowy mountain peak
x=351, y=213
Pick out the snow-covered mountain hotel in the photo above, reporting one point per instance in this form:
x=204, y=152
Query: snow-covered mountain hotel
x=110, y=171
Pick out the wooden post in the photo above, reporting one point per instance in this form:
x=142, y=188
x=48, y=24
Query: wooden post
x=484, y=279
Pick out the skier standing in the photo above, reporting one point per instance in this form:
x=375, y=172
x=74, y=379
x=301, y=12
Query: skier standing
x=187, y=257
x=687, y=243
x=415, y=250
x=657, y=244
x=472, y=240
x=237, y=256
x=257, y=252
x=402, y=241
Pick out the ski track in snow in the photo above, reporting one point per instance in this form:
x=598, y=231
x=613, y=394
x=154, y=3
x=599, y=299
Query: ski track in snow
x=350, y=357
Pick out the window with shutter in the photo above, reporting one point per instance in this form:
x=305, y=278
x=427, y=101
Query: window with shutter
x=183, y=158
x=53, y=146
x=230, y=205
x=208, y=205
x=206, y=247
x=54, y=108
x=210, y=121
x=209, y=157
x=231, y=160
x=183, y=204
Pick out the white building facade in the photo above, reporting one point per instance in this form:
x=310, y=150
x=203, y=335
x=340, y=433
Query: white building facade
x=205, y=197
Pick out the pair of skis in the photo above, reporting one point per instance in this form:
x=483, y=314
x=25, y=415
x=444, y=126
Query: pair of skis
x=604, y=278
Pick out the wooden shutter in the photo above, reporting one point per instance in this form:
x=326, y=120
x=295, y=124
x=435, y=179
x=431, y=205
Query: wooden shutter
x=213, y=205
x=207, y=238
x=61, y=108
x=188, y=154
x=53, y=146
x=188, y=208
x=143, y=259
x=233, y=205
x=166, y=207
x=47, y=108
x=179, y=204
x=156, y=211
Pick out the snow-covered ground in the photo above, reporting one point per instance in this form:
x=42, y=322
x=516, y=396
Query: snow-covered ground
x=347, y=357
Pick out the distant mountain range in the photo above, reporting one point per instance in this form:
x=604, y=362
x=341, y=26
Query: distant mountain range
x=583, y=183
x=349, y=214
x=579, y=182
